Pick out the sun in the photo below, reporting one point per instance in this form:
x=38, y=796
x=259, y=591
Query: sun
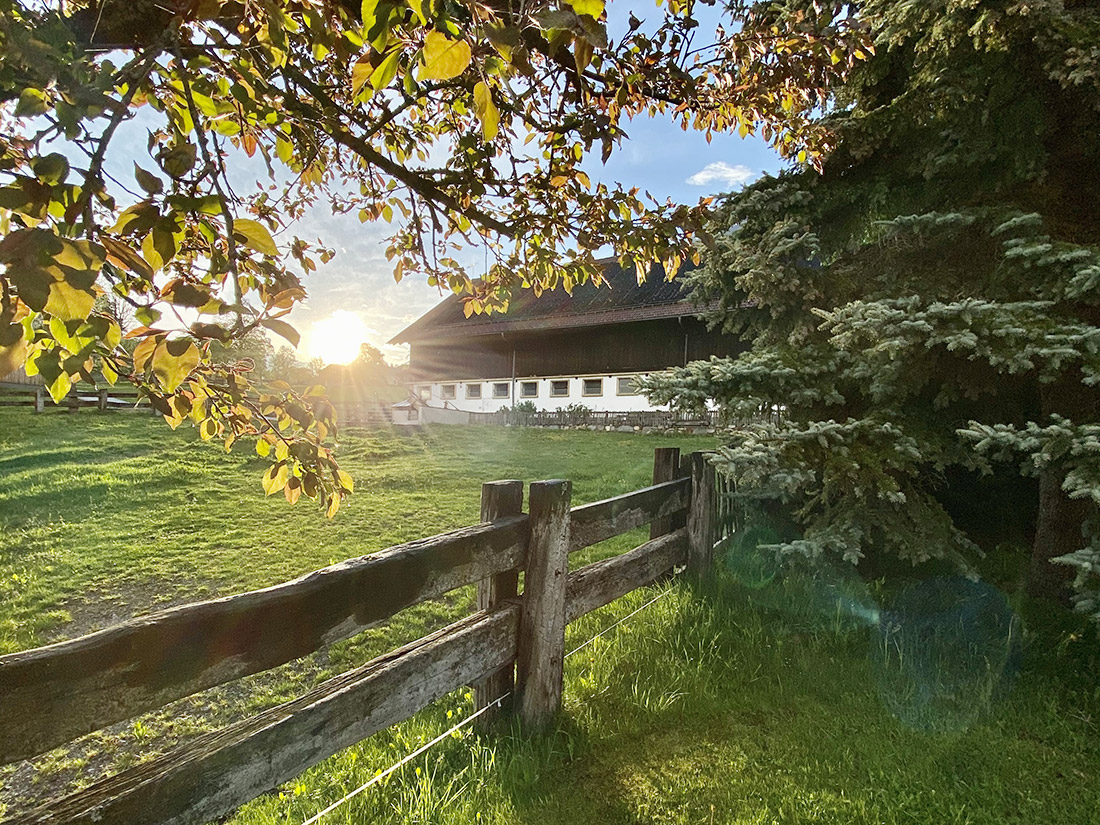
x=336, y=339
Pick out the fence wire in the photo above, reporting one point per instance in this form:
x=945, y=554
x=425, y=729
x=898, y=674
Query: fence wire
x=460, y=725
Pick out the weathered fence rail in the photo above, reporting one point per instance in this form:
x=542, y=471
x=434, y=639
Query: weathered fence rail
x=52, y=694
x=31, y=394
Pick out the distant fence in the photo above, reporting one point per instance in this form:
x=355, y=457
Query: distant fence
x=637, y=420
x=514, y=643
x=363, y=413
x=33, y=395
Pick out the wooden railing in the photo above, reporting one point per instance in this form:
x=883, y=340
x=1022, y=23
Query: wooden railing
x=35, y=396
x=52, y=694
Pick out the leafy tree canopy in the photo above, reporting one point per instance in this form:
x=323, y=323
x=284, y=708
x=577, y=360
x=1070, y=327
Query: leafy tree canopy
x=458, y=121
x=930, y=303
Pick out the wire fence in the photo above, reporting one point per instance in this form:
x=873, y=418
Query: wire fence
x=378, y=777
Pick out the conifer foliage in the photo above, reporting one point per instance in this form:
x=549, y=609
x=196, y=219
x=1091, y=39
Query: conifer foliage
x=930, y=303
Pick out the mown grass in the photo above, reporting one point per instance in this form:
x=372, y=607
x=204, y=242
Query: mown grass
x=729, y=704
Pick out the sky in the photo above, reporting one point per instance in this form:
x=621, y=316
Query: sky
x=354, y=299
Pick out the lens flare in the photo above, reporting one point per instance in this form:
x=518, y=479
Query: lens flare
x=945, y=651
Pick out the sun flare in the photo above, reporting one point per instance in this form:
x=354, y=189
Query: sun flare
x=336, y=339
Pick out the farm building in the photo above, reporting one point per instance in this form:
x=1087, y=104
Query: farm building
x=557, y=350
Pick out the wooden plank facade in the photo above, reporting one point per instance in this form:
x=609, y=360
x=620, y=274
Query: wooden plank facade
x=619, y=330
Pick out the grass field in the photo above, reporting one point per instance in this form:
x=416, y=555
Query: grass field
x=739, y=704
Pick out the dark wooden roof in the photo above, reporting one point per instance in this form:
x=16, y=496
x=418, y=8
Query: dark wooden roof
x=621, y=298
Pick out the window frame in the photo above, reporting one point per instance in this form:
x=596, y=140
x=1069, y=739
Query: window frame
x=497, y=385
x=554, y=388
x=424, y=392
x=470, y=396
x=452, y=389
x=619, y=386
x=584, y=388
x=523, y=385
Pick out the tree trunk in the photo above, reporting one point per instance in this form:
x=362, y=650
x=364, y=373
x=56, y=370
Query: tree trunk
x=1061, y=519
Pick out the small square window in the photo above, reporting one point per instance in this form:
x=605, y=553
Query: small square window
x=593, y=386
x=500, y=389
x=529, y=389
x=473, y=391
x=625, y=385
x=424, y=392
x=447, y=391
x=559, y=389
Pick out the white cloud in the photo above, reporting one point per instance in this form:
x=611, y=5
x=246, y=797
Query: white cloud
x=721, y=172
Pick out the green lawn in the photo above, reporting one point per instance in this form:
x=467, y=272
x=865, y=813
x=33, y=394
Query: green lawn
x=733, y=705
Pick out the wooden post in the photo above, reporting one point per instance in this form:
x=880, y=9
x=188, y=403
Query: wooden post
x=39, y=400
x=666, y=465
x=542, y=627
x=701, y=518
x=102, y=400
x=499, y=499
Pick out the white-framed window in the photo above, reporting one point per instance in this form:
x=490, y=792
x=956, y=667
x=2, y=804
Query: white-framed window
x=447, y=391
x=625, y=385
x=424, y=392
x=500, y=389
x=592, y=387
x=473, y=391
x=529, y=389
x=559, y=389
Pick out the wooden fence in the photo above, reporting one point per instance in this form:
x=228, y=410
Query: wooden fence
x=514, y=642
x=35, y=396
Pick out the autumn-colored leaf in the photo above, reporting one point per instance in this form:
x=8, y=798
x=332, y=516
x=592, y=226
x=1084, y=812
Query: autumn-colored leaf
x=444, y=58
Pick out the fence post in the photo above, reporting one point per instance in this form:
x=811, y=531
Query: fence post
x=102, y=400
x=39, y=400
x=701, y=517
x=666, y=466
x=499, y=499
x=542, y=628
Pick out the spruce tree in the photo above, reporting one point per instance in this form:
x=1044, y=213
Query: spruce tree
x=929, y=304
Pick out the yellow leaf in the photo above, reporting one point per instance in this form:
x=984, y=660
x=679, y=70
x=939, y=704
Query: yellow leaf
x=173, y=361
x=345, y=481
x=593, y=8
x=275, y=478
x=13, y=349
x=360, y=73
x=444, y=58
x=109, y=375
x=69, y=303
x=254, y=235
x=486, y=110
x=293, y=489
x=333, y=506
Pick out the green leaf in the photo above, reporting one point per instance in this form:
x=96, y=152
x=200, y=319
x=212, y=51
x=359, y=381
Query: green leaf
x=31, y=102
x=486, y=110
x=148, y=181
x=386, y=71
x=147, y=315
x=173, y=361
x=254, y=235
x=284, y=329
x=51, y=169
x=444, y=58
